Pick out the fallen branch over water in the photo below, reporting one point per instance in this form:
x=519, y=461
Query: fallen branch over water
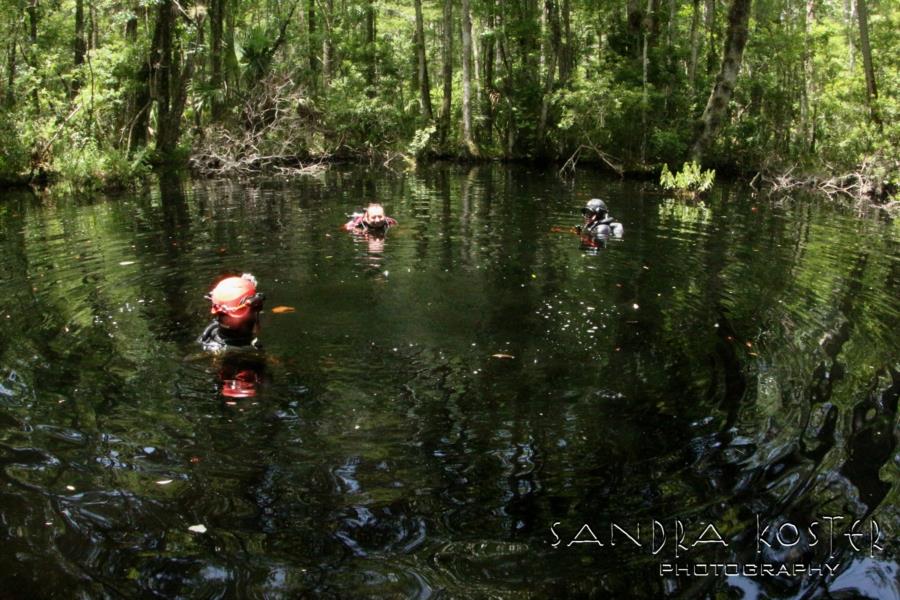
x=569, y=165
x=871, y=183
x=275, y=128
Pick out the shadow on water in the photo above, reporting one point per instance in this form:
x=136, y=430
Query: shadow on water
x=449, y=405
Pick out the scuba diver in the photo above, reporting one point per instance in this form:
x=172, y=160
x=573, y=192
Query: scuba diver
x=372, y=220
x=236, y=306
x=598, y=225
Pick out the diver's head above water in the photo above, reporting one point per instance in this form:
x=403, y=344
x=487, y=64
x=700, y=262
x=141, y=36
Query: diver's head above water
x=236, y=305
x=597, y=222
x=594, y=210
x=374, y=217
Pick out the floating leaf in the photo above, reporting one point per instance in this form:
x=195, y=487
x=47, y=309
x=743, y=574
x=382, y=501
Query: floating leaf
x=502, y=355
x=164, y=482
x=197, y=528
x=278, y=310
x=125, y=263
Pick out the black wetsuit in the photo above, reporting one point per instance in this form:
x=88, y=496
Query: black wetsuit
x=603, y=228
x=219, y=336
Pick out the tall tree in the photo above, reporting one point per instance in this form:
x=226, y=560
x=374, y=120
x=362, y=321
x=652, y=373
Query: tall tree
x=554, y=47
x=862, y=11
x=141, y=99
x=370, y=47
x=468, y=138
x=216, y=80
x=566, y=57
x=311, y=39
x=327, y=42
x=10, y=97
x=80, y=43
x=487, y=90
x=424, y=86
x=33, y=40
x=645, y=65
x=709, y=19
x=717, y=105
x=171, y=76
x=807, y=117
x=695, y=24
x=447, y=66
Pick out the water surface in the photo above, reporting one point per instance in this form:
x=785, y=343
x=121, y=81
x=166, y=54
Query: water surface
x=447, y=408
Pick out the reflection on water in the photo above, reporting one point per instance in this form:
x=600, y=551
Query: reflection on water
x=446, y=397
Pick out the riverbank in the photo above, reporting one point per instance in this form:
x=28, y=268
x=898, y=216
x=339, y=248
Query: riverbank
x=874, y=183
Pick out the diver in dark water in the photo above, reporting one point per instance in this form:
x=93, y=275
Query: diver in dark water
x=598, y=225
x=371, y=221
x=236, y=306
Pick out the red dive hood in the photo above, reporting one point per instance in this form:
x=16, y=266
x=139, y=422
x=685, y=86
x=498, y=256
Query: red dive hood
x=233, y=296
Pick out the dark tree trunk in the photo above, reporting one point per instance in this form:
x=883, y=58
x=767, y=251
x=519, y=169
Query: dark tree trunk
x=468, y=138
x=80, y=43
x=634, y=10
x=161, y=62
x=312, y=42
x=424, y=85
x=553, y=55
x=171, y=79
x=488, y=78
x=230, y=67
x=566, y=57
x=370, y=47
x=447, y=65
x=717, y=105
x=10, y=98
x=135, y=130
x=506, y=86
x=94, y=36
x=862, y=11
x=327, y=47
x=32, y=38
x=710, y=22
x=216, y=81
x=807, y=104
x=692, y=67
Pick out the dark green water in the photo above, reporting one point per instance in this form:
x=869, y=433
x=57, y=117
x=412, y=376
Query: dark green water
x=735, y=363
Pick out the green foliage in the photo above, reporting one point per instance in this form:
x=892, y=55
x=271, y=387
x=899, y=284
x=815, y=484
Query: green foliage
x=85, y=165
x=689, y=181
x=421, y=141
x=800, y=100
x=364, y=124
x=13, y=155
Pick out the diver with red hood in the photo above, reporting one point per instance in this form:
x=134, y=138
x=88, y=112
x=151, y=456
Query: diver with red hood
x=235, y=306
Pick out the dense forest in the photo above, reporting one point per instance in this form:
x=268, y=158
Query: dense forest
x=103, y=90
